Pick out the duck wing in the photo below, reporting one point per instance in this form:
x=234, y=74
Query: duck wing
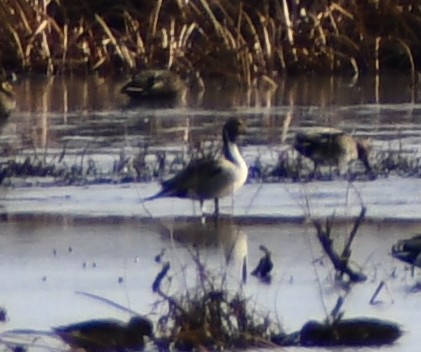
x=318, y=138
x=193, y=180
x=322, y=144
x=93, y=335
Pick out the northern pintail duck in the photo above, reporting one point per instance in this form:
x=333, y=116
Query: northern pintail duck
x=210, y=178
x=7, y=99
x=107, y=335
x=330, y=146
x=154, y=84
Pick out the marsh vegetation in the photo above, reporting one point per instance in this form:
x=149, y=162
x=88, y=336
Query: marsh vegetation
x=250, y=43
x=247, y=41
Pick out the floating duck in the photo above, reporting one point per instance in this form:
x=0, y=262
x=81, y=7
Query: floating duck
x=350, y=332
x=330, y=146
x=107, y=335
x=210, y=178
x=408, y=251
x=158, y=84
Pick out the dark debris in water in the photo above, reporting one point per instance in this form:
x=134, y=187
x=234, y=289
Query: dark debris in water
x=264, y=267
x=3, y=315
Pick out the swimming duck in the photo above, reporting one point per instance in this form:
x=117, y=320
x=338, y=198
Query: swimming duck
x=408, y=251
x=349, y=332
x=107, y=335
x=210, y=178
x=154, y=84
x=332, y=147
x=7, y=99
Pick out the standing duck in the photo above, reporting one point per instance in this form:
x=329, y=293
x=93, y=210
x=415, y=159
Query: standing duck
x=155, y=84
x=7, y=100
x=210, y=178
x=107, y=335
x=330, y=146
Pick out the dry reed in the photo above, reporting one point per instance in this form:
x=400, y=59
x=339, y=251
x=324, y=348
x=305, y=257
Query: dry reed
x=247, y=41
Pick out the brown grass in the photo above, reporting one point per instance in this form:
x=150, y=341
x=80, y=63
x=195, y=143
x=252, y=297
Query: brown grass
x=249, y=41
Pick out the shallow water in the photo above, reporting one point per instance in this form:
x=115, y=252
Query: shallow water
x=54, y=258
x=72, y=122
x=103, y=234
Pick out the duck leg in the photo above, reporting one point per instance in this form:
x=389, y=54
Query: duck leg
x=316, y=171
x=216, y=213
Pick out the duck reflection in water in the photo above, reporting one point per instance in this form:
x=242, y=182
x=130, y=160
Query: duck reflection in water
x=330, y=146
x=225, y=236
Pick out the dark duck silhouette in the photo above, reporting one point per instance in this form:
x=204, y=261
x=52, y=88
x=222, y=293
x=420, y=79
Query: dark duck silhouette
x=155, y=84
x=330, y=146
x=349, y=332
x=210, y=178
x=408, y=250
x=107, y=335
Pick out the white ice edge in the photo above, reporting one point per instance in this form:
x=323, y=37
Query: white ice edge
x=393, y=198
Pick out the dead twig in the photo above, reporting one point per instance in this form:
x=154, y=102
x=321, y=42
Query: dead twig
x=346, y=253
x=340, y=263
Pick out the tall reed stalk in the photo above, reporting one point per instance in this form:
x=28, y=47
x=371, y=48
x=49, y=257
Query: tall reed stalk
x=246, y=40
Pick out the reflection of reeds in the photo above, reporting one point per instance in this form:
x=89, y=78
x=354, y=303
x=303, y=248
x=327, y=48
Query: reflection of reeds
x=243, y=40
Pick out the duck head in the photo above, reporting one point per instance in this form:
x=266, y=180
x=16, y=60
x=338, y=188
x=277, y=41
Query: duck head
x=141, y=326
x=232, y=129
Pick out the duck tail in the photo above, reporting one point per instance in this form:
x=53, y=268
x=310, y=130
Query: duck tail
x=155, y=196
x=164, y=192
